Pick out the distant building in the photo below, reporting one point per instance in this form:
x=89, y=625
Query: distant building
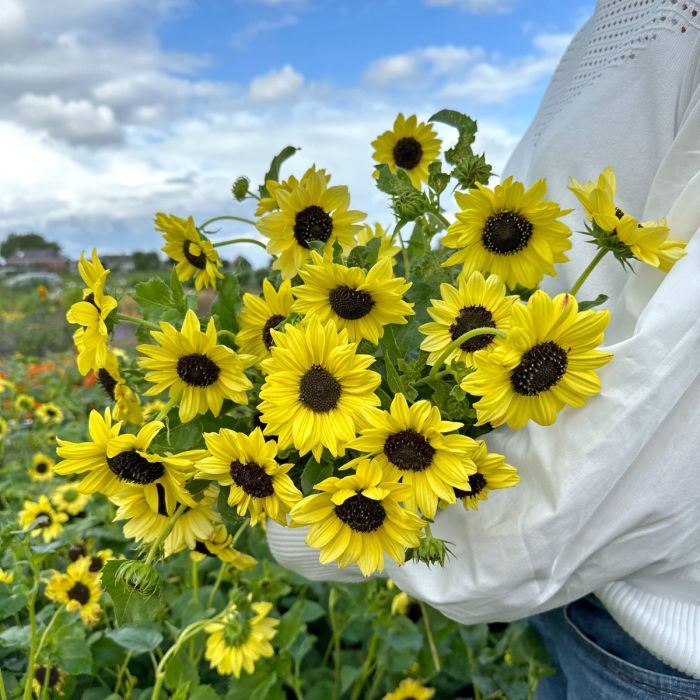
x=118, y=263
x=38, y=261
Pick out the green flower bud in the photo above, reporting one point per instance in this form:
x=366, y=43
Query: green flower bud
x=240, y=188
x=410, y=204
x=472, y=170
x=142, y=578
x=431, y=550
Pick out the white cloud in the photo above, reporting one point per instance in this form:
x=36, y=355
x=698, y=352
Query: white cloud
x=477, y=6
x=242, y=38
x=277, y=85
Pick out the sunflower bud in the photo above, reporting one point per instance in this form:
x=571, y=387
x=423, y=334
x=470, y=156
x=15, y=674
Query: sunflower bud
x=410, y=204
x=142, y=578
x=239, y=188
x=431, y=550
x=472, y=170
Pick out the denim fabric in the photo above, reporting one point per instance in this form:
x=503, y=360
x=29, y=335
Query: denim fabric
x=598, y=660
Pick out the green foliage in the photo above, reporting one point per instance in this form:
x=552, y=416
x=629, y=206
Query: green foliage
x=273, y=172
x=146, y=261
x=21, y=242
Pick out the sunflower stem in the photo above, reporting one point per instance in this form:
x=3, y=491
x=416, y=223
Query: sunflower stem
x=439, y=216
x=239, y=532
x=32, y=624
x=434, y=372
x=335, y=633
x=166, y=409
x=137, y=321
x=225, y=218
x=46, y=631
x=153, y=551
x=406, y=261
x=217, y=584
x=584, y=275
x=231, y=241
x=429, y=634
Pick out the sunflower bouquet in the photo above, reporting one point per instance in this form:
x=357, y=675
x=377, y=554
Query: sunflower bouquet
x=351, y=394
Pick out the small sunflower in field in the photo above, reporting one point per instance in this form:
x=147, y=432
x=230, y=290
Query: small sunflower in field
x=219, y=545
x=6, y=577
x=55, y=681
x=387, y=248
x=127, y=404
x=412, y=445
x=92, y=271
x=47, y=522
x=492, y=472
x=95, y=560
x=6, y=385
x=67, y=498
x=411, y=145
x=410, y=689
x=307, y=213
x=548, y=362
x=42, y=467
x=260, y=314
x=318, y=391
x=357, y=518
x=24, y=402
x=647, y=240
x=236, y=642
x=49, y=413
x=77, y=589
x=508, y=231
x=476, y=302
x=195, y=255
x=247, y=463
x=358, y=301
x=194, y=368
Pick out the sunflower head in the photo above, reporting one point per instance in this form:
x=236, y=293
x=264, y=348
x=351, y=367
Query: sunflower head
x=219, y=545
x=43, y=519
x=78, y=589
x=67, y=498
x=318, y=391
x=309, y=212
x=548, y=362
x=410, y=689
x=42, y=467
x=50, y=676
x=508, y=231
x=410, y=145
x=270, y=203
x=49, y=413
x=387, y=249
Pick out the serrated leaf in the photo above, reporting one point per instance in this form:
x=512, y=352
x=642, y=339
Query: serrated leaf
x=273, y=172
x=158, y=303
x=129, y=605
x=228, y=302
x=136, y=639
x=466, y=127
x=389, y=182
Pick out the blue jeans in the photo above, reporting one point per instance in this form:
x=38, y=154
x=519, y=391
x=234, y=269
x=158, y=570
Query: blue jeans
x=598, y=660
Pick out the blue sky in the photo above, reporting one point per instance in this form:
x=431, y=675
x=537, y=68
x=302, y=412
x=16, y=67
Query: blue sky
x=113, y=110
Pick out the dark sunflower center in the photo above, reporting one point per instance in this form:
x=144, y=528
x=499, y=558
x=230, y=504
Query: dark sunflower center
x=132, y=467
x=96, y=564
x=201, y=547
x=90, y=299
x=312, y=224
x=271, y=323
x=40, y=675
x=43, y=520
x=79, y=592
x=197, y=370
x=409, y=451
x=619, y=213
x=198, y=261
x=407, y=153
x=540, y=368
x=162, y=503
x=477, y=482
x=42, y=468
x=506, y=233
x=350, y=304
x=252, y=478
x=51, y=412
x=319, y=390
x=76, y=551
x=471, y=317
x=107, y=381
x=361, y=514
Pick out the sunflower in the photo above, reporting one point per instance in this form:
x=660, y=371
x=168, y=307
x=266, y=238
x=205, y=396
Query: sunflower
x=6, y=384
x=47, y=522
x=219, y=545
x=194, y=254
x=78, y=590
x=246, y=463
x=492, y=472
x=309, y=212
x=92, y=354
x=647, y=240
x=361, y=302
x=92, y=272
x=113, y=461
x=7, y=577
x=401, y=603
x=3, y=427
x=548, y=361
x=24, y=402
x=410, y=689
x=55, y=681
x=145, y=523
x=317, y=391
x=477, y=302
x=95, y=560
x=357, y=518
x=508, y=231
x=127, y=405
x=41, y=468
x=387, y=249
x=240, y=639
x=411, y=145
x=260, y=315
x=199, y=373
x=49, y=413
x=152, y=408
x=67, y=498
x=410, y=445
x=270, y=203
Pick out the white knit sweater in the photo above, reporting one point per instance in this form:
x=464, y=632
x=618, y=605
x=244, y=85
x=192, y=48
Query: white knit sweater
x=610, y=494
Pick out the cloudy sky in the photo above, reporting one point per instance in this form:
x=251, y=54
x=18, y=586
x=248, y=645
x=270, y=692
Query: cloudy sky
x=111, y=110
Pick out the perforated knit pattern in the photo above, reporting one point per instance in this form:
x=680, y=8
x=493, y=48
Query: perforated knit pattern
x=620, y=30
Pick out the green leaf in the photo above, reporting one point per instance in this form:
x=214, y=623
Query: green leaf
x=158, y=303
x=314, y=473
x=73, y=656
x=291, y=626
x=136, y=639
x=393, y=378
x=204, y=692
x=389, y=182
x=181, y=670
x=10, y=602
x=466, y=127
x=474, y=636
x=585, y=305
x=15, y=637
x=273, y=172
x=228, y=303
x=129, y=605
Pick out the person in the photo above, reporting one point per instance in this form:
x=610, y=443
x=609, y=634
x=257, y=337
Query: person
x=600, y=542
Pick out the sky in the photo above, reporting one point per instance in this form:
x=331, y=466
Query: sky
x=113, y=110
